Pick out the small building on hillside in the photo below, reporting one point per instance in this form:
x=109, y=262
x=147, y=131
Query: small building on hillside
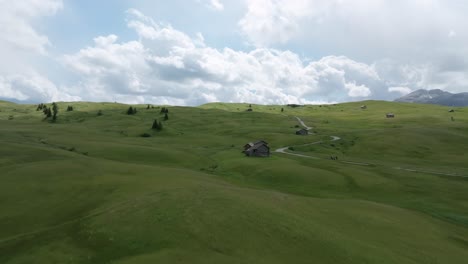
x=257, y=149
x=451, y=111
x=302, y=132
x=363, y=107
x=390, y=115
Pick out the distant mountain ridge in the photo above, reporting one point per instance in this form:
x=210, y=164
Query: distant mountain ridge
x=435, y=96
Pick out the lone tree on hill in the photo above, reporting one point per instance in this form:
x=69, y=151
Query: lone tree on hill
x=55, y=110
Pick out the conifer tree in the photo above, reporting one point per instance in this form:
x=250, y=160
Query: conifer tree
x=55, y=110
x=157, y=125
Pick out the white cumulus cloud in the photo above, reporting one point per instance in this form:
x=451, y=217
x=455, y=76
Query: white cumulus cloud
x=16, y=24
x=275, y=21
x=32, y=87
x=20, y=43
x=401, y=90
x=167, y=65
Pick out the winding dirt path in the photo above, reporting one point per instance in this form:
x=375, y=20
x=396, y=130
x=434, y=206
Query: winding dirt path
x=303, y=124
x=284, y=149
x=336, y=138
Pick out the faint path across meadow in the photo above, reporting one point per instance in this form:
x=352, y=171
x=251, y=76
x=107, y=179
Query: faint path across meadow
x=336, y=138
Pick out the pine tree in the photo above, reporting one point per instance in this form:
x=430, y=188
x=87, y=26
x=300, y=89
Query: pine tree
x=166, y=117
x=130, y=111
x=55, y=110
x=155, y=125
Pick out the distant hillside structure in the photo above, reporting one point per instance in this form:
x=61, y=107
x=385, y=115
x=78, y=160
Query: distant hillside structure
x=302, y=132
x=451, y=111
x=363, y=107
x=390, y=115
x=257, y=149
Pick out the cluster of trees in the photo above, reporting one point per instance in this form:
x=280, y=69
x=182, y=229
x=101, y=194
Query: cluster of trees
x=69, y=108
x=49, y=111
x=41, y=106
x=131, y=110
x=157, y=125
x=149, y=107
x=165, y=111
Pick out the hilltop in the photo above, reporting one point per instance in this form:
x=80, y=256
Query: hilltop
x=101, y=186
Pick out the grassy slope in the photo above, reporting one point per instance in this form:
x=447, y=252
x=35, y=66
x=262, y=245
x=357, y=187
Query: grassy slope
x=89, y=189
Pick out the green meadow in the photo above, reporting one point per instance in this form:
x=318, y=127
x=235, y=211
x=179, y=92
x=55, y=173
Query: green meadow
x=91, y=188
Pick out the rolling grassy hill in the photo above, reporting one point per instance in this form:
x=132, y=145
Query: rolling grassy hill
x=90, y=189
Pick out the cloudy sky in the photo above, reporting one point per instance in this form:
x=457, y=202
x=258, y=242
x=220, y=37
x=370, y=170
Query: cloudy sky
x=189, y=52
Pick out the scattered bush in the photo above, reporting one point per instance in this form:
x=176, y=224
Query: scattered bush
x=146, y=135
x=99, y=113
